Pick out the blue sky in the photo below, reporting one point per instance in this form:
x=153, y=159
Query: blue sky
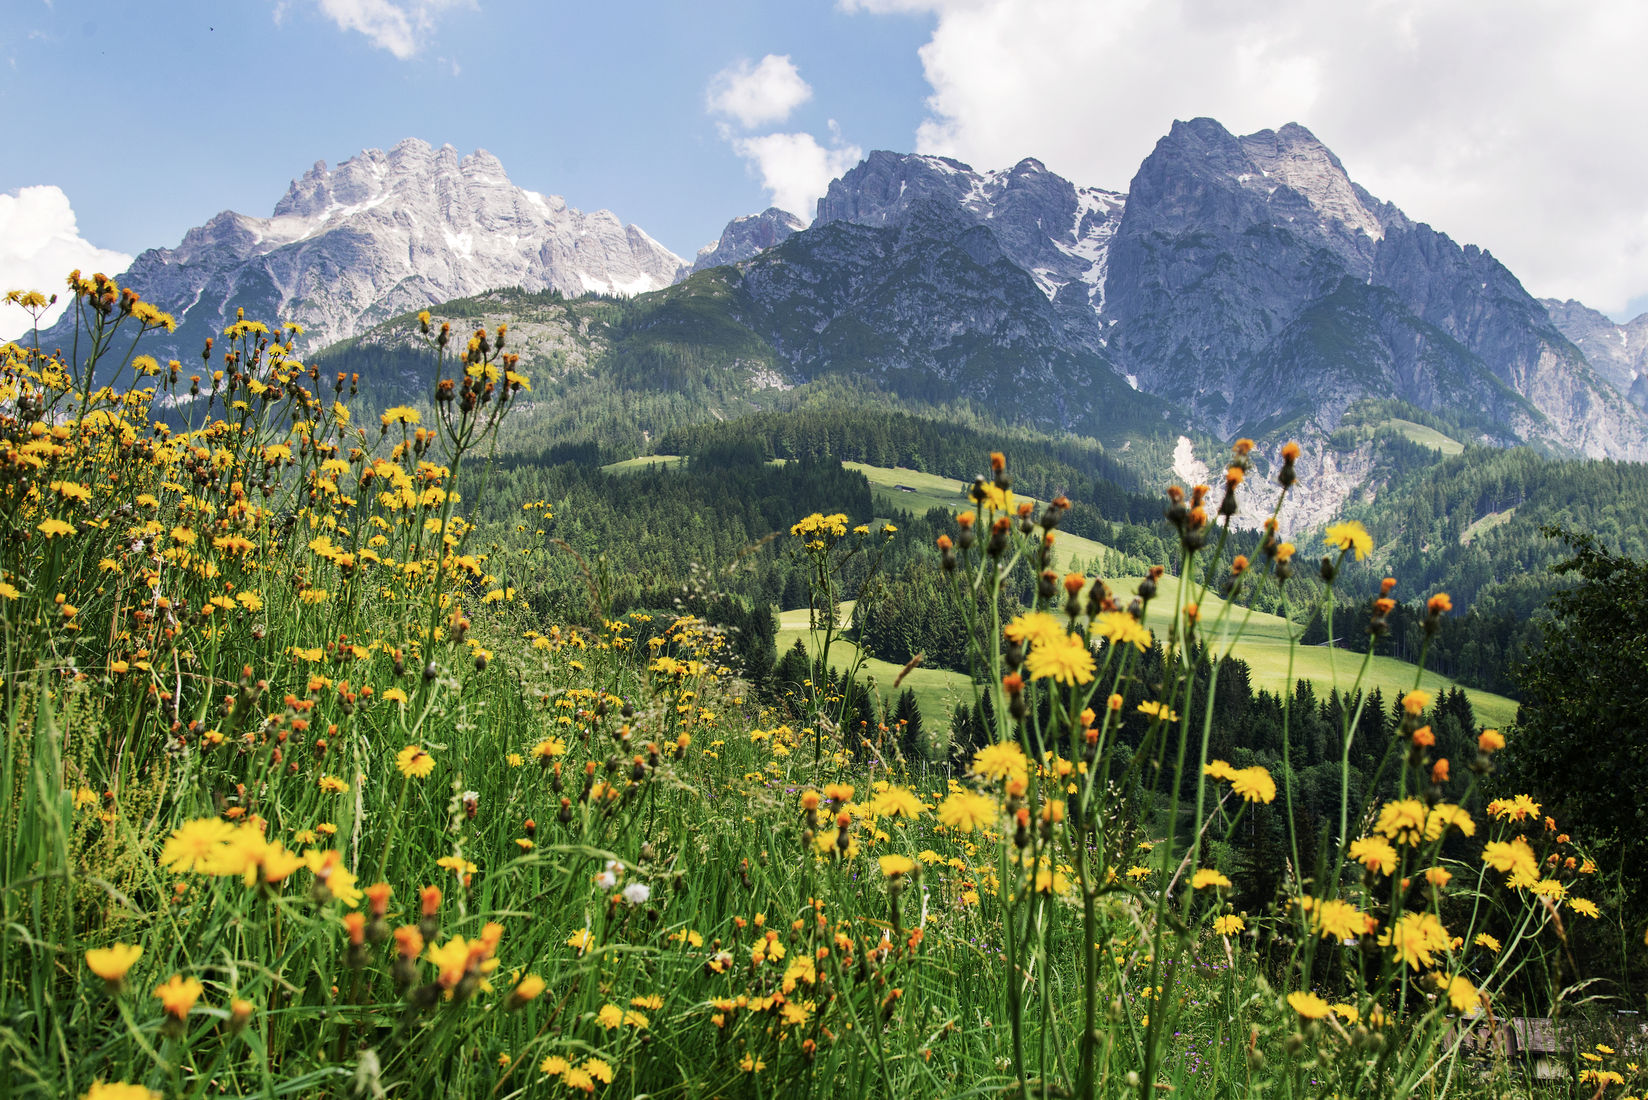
x=212, y=106
x=1512, y=124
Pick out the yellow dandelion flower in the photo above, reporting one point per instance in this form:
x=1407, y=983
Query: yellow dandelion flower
x=119, y=1090
x=1375, y=853
x=1000, y=761
x=1350, y=536
x=892, y=865
x=1066, y=660
x=111, y=963
x=897, y=802
x=1207, y=876
x=966, y=811
x=178, y=995
x=1254, y=784
x=414, y=762
x=1308, y=1005
x=1416, y=938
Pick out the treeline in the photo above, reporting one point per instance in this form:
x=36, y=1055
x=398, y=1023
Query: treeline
x=1469, y=524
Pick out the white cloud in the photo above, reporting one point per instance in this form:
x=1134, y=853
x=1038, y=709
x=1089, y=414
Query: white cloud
x=795, y=169
x=758, y=95
x=39, y=245
x=400, y=26
x=1512, y=124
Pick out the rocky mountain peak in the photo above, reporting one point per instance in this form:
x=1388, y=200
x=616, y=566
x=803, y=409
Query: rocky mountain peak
x=746, y=236
x=383, y=233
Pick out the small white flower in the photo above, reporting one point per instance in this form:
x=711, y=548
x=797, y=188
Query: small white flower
x=637, y=892
x=606, y=880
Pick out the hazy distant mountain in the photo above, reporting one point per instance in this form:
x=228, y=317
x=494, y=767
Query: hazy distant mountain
x=746, y=236
x=383, y=233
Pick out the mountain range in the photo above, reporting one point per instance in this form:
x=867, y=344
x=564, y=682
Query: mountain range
x=1240, y=285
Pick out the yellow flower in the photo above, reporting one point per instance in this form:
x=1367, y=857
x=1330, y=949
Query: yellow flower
x=199, y=845
x=1308, y=1005
x=967, y=811
x=1120, y=628
x=1514, y=858
x=1375, y=853
x=1444, y=815
x=9, y=591
x=1337, y=919
x=1485, y=940
x=1416, y=937
x=52, y=528
x=400, y=414
x=892, y=865
x=453, y=958
x=118, y=1090
x=394, y=695
x=1351, y=536
x=598, y=1069
x=897, y=802
x=1066, y=660
x=1519, y=808
x=528, y=988
x=178, y=994
x=414, y=762
x=1403, y=821
x=111, y=963
x=1207, y=876
x=580, y=940
x=610, y=1016
x=1034, y=628
x=1229, y=925
x=331, y=784
x=1254, y=784
x=1154, y=709
x=1463, y=995
x=999, y=761
x=1584, y=908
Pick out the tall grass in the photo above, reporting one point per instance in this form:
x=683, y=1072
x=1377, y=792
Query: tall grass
x=300, y=801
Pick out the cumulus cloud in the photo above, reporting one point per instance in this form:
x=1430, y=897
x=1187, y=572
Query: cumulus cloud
x=795, y=169
x=40, y=243
x=1511, y=124
x=757, y=95
x=400, y=26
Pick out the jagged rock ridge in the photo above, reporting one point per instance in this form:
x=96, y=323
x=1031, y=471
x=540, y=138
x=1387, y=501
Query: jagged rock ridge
x=1619, y=352
x=384, y=233
x=745, y=237
x=1249, y=281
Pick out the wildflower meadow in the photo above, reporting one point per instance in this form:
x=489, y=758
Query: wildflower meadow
x=300, y=797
